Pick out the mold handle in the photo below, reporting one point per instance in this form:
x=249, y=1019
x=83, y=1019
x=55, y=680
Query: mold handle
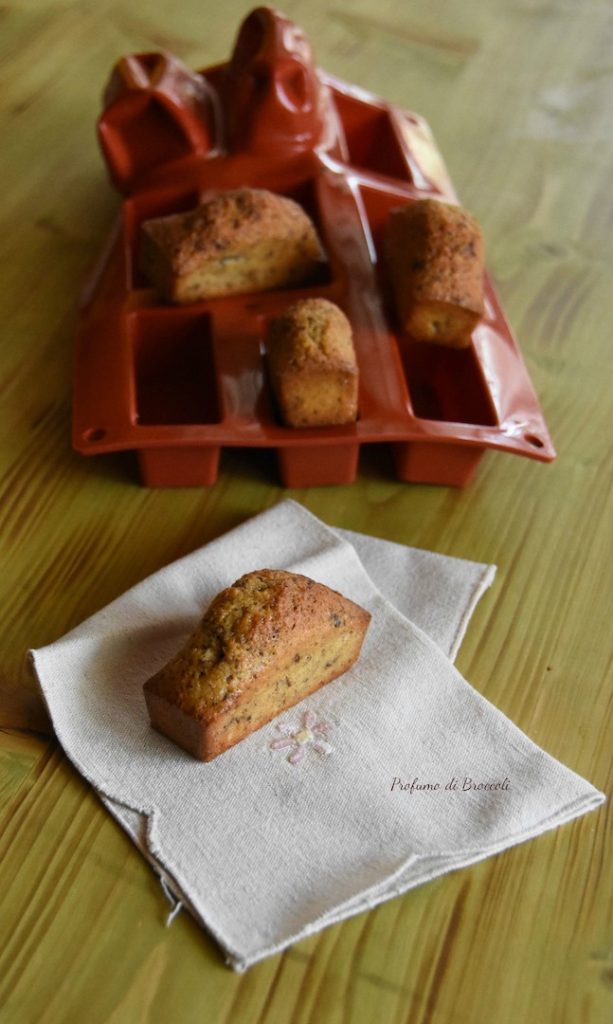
x=273, y=94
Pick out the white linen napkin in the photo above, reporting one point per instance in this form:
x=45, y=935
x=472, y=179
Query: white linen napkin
x=393, y=774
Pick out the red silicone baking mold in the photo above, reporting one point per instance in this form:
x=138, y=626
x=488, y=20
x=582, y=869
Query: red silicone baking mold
x=179, y=383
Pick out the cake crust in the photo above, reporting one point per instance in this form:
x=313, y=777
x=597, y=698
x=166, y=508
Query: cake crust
x=264, y=644
x=435, y=259
x=313, y=366
x=240, y=240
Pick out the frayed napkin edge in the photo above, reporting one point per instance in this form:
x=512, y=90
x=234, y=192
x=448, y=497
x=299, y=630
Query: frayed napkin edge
x=348, y=910
x=367, y=900
x=362, y=901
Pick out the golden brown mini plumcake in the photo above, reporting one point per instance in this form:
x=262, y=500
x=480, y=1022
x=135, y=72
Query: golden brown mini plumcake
x=241, y=240
x=266, y=642
x=312, y=365
x=435, y=259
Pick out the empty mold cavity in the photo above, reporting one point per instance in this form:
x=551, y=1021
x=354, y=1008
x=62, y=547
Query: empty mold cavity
x=174, y=372
x=372, y=143
x=446, y=384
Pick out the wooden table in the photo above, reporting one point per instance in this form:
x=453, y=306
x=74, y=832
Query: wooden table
x=519, y=97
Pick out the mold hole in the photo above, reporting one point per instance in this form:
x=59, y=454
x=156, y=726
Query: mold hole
x=534, y=440
x=94, y=434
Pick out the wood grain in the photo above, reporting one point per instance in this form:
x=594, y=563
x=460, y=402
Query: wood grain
x=519, y=96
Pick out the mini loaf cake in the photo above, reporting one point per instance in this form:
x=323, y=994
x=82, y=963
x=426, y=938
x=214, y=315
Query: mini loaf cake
x=242, y=240
x=435, y=258
x=312, y=364
x=266, y=642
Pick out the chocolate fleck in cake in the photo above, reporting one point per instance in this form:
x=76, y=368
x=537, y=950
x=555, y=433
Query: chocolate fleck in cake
x=264, y=644
x=312, y=364
x=435, y=259
x=241, y=240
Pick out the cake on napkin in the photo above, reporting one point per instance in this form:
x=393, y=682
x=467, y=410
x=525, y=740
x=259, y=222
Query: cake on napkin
x=264, y=644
